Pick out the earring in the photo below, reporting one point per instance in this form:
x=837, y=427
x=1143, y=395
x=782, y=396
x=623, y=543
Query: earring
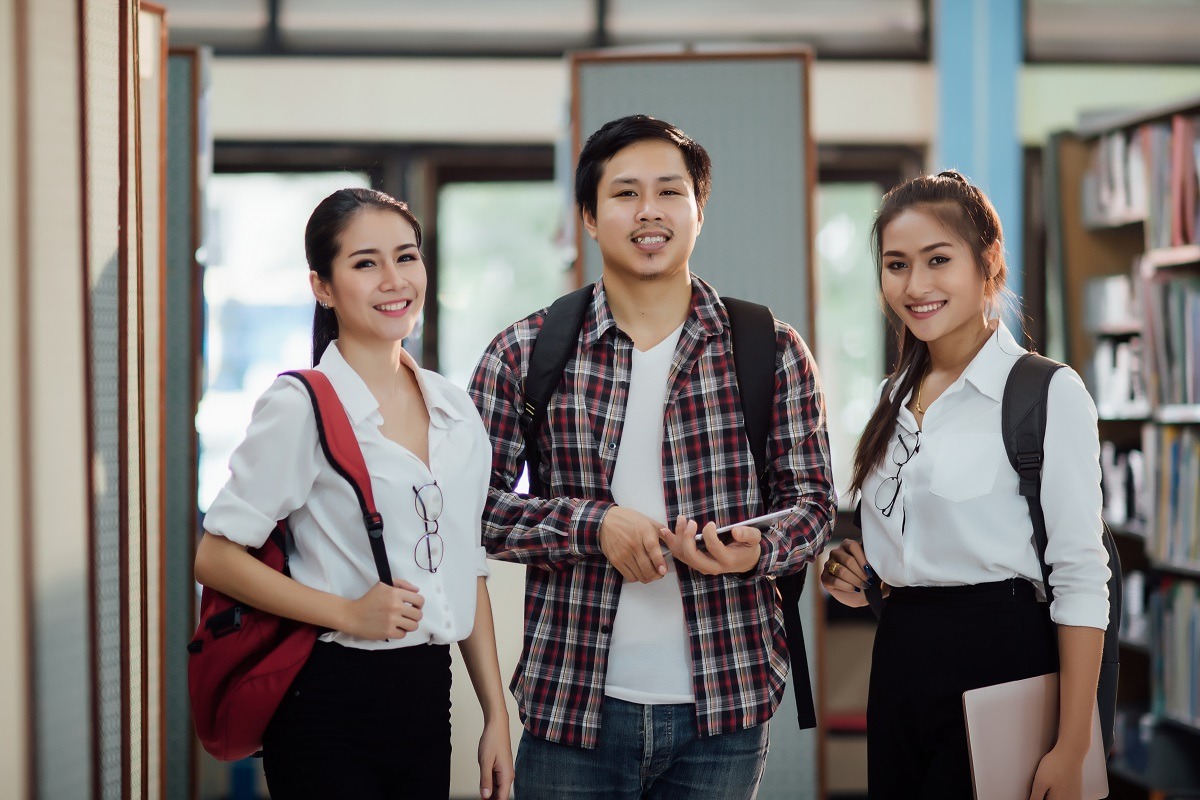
x=323, y=304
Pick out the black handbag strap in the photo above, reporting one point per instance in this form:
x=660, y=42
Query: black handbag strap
x=341, y=449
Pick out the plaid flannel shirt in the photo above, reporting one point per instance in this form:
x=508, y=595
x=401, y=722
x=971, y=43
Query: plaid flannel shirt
x=735, y=627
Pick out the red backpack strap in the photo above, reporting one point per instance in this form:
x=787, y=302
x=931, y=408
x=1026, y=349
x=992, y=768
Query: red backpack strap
x=341, y=449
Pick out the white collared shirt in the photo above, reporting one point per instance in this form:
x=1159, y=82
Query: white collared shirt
x=959, y=518
x=279, y=471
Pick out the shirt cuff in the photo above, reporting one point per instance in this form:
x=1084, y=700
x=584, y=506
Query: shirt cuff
x=584, y=538
x=233, y=518
x=1081, y=610
x=481, y=566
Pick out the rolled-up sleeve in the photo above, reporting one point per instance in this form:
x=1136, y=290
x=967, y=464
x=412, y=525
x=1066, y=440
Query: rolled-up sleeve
x=1072, y=503
x=272, y=471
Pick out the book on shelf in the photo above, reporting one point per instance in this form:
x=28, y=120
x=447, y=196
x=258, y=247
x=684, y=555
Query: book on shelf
x=1110, y=305
x=1173, y=308
x=1174, y=530
x=1175, y=609
x=1116, y=379
x=1123, y=479
x=1150, y=174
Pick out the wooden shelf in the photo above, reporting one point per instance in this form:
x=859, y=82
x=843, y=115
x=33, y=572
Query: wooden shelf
x=1114, y=221
x=1131, y=530
x=1118, y=330
x=1121, y=416
x=1169, y=257
x=1178, y=414
x=1141, y=645
x=1180, y=724
x=1186, y=570
x=1107, y=124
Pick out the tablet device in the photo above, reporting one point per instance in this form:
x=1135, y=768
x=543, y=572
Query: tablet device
x=1010, y=726
x=762, y=523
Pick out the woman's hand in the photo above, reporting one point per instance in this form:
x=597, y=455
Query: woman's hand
x=847, y=573
x=495, y=760
x=384, y=612
x=1059, y=776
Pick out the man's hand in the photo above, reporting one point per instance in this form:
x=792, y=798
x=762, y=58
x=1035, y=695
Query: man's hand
x=629, y=541
x=740, y=555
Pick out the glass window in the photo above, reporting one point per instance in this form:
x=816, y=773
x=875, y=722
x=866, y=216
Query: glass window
x=502, y=254
x=258, y=304
x=850, y=340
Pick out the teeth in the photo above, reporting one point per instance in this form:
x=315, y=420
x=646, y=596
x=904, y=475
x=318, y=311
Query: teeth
x=927, y=308
x=650, y=239
x=394, y=306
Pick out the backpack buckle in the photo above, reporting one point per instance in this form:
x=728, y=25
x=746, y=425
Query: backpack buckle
x=374, y=522
x=1028, y=461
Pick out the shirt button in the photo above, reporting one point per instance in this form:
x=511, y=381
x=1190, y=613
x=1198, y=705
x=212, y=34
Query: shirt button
x=606, y=629
x=612, y=445
x=437, y=589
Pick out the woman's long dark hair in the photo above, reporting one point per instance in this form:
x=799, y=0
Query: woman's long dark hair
x=966, y=212
x=323, y=239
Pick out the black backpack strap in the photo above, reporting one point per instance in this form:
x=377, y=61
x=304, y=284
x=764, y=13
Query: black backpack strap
x=340, y=445
x=1023, y=421
x=752, y=331
x=555, y=343
x=1023, y=415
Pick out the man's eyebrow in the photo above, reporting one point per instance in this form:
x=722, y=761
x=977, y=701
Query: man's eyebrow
x=663, y=179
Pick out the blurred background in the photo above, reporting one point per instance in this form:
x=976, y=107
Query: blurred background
x=158, y=163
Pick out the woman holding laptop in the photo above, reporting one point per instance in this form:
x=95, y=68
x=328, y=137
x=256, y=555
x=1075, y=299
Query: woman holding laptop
x=945, y=532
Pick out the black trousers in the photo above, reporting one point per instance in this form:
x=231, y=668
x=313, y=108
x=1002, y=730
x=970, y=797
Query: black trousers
x=932, y=644
x=363, y=724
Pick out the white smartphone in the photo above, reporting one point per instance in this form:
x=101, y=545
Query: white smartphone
x=762, y=523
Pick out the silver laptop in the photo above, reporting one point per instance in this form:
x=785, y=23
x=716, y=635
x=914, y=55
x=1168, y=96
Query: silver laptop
x=1010, y=726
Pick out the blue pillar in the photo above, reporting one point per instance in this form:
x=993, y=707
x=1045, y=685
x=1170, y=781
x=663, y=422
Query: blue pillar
x=977, y=48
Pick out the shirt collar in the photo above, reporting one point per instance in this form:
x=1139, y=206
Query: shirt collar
x=360, y=404
x=988, y=371
x=707, y=310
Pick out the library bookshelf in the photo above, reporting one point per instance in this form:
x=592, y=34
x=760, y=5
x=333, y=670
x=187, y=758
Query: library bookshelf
x=1123, y=200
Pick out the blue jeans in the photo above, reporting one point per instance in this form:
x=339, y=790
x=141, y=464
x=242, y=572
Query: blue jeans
x=651, y=752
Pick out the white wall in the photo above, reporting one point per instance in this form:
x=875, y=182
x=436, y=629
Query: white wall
x=502, y=101
x=1053, y=95
x=14, y=710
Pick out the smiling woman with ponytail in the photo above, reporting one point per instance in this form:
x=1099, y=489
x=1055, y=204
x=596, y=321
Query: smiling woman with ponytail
x=368, y=715
x=947, y=537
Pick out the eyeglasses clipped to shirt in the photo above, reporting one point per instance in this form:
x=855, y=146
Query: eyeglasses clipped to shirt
x=429, y=548
x=907, y=445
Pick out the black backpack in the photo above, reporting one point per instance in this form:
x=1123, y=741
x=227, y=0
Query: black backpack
x=1024, y=423
x=753, y=333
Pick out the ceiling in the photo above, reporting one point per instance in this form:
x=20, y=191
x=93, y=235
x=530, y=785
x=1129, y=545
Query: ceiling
x=1152, y=31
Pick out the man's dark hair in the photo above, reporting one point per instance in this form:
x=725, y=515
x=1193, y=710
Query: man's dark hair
x=615, y=136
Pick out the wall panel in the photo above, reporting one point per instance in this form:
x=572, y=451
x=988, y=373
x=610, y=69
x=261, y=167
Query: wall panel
x=55, y=418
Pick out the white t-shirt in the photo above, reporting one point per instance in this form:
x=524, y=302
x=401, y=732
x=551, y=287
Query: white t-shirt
x=649, y=659
x=959, y=519
x=279, y=471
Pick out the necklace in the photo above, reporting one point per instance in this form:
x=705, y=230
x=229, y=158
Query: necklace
x=920, y=385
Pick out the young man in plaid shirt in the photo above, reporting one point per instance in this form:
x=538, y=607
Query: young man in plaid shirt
x=651, y=662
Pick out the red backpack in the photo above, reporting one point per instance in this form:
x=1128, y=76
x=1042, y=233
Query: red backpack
x=241, y=660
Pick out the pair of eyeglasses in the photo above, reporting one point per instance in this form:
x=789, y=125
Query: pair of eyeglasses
x=430, y=548
x=907, y=445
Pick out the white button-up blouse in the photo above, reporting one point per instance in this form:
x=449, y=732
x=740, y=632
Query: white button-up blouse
x=279, y=471
x=959, y=518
